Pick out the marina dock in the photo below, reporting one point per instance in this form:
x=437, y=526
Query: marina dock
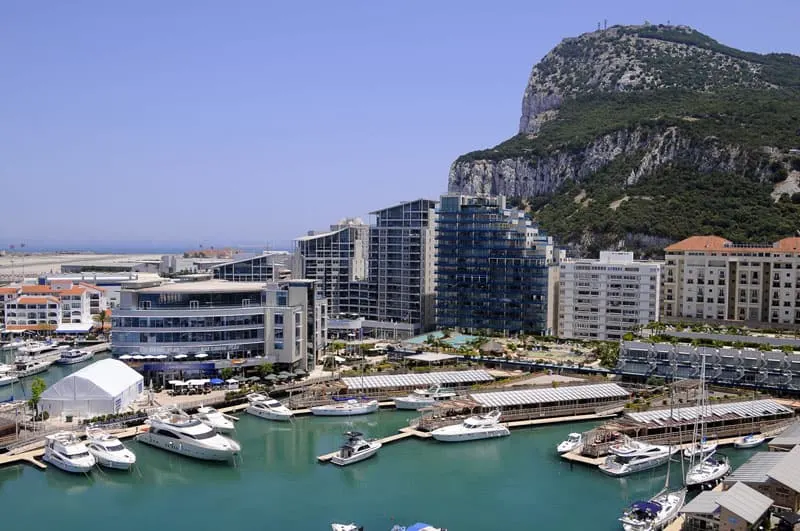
x=404, y=433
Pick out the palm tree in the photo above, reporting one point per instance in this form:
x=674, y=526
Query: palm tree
x=100, y=319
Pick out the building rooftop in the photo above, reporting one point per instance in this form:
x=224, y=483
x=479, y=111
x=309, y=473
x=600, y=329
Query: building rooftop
x=36, y=300
x=431, y=357
x=718, y=244
x=745, y=502
x=789, y=437
x=548, y=395
x=250, y=258
x=755, y=469
x=397, y=205
x=748, y=409
x=787, y=472
x=705, y=503
x=203, y=286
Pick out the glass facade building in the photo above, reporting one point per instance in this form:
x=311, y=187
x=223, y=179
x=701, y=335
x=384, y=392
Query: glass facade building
x=267, y=267
x=492, y=267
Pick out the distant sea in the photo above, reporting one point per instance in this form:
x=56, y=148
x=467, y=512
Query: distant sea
x=139, y=247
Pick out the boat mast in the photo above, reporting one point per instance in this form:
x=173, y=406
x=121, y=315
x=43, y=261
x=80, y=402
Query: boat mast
x=699, y=425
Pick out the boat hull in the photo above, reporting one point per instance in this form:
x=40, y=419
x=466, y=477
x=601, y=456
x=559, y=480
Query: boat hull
x=619, y=471
x=188, y=450
x=705, y=474
x=742, y=443
x=475, y=435
x=110, y=462
x=404, y=403
x=8, y=380
x=269, y=415
x=344, y=410
x=344, y=461
x=566, y=447
x=73, y=467
x=671, y=504
x=72, y=361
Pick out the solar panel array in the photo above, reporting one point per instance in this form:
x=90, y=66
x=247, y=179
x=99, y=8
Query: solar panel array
x=418, y=379
x=753, y=408
x=544, y=396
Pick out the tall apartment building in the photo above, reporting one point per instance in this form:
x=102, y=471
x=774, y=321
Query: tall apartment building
x=603, y=299
x=338, y=261
x=281, y=322
x=401, y=260
x=492, y=267
x=711, y=278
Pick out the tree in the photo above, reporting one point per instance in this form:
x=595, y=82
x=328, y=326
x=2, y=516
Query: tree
x=37, y=388
x=607, y=353
x=100, y=319
x=226, y=373
x=265, y=369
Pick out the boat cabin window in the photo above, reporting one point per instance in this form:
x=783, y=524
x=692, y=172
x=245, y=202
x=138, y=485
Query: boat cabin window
x=115, y=448
x=200, y=436
x=79, y=456
x=166, y=433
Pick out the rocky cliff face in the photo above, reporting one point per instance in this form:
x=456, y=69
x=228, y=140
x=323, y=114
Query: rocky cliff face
x=645, y=101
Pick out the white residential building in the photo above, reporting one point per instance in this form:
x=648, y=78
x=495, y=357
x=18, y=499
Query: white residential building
x=711, y=278
x=62, y=306
x=603, y=299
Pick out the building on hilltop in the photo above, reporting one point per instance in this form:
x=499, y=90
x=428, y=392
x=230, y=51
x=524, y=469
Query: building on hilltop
x=711, y=278
x=494, y=268
x=282, y=322
x=52, y=305
x=605, y=298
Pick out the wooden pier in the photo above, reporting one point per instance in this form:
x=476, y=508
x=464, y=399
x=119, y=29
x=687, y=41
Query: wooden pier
x=29, y=457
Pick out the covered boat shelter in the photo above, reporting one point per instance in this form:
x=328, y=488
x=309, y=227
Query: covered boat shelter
x=396, y=382
x=432, y=358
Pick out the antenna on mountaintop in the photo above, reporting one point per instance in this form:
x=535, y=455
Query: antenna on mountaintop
x=605, y=23
x=598, y=26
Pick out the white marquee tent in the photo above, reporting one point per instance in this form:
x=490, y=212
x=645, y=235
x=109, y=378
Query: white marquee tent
x=106, y=386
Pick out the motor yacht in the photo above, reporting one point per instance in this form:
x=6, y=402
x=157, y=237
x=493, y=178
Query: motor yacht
x=355, y=449
x=36, y=347
x=474, y=428
x=709, y=471
x=6, y=375
x=627, y=446
x=654, y=514
x=573, y=442
x=26, y=368
x=644, y=457
x=347, y=407
x=75, y=355
x=175, y=431
x=66, y=451
x=748, y=441
x=221, y=422
x=423, y=397
x=346, y=527
x=700, y=449
x=108, y=451
x=419, y=526
x=267, y=408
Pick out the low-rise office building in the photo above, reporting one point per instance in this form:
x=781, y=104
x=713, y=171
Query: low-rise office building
x=216, y=319
x=605, y=298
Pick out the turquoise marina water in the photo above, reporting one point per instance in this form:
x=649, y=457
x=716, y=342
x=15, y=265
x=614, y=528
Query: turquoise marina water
x=516, y=482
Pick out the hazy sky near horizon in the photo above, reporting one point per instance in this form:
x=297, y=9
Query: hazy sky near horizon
x=255, y=121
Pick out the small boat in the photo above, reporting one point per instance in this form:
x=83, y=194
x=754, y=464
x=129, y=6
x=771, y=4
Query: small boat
x=6, y=376
x=66, y=451
x=474, y=428
x=748, y=441
x=573, y=442
x=351, y=406
x=700, y=448
x=175, y=431
x=346, y=527
x=708, y=472
x=221, y=422
x=267, y=408
x=645, y=457
x=108, y=451
x=37, y=347
x=423, y=397
x=654, y=514
x=419, y=526
x=355, y=449
x=26, y=368
x=73, y=356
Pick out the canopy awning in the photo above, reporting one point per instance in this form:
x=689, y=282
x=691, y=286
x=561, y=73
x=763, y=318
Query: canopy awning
x=74, y=328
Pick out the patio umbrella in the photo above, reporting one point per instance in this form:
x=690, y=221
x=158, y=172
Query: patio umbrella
x=201, y=355
x=125, y=357
x=253, y=379
x=176, y=383
x=181, y=356
x=271, y=377
x=300, y=372
x=217, y=381
x=283, y=376
x=139, y=357
x=160, y=357
x=284, y=373
x=232, y=380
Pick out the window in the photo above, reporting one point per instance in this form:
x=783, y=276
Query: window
x=278, y=318
x=278, y=345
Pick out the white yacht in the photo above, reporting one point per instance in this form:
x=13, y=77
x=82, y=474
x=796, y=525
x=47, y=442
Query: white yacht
x=108, y=451
x=654, y=514
x=708, y=471
x=355, y=449
x=66, y=451
x=700, y=449
x=346, y=527
x=36, y=347
x=221, y=422
x=30, y=367
x=419, y=526
x=267, y=408
x=6, y=376
x=177, y=432
x=573, y=442
x=423, y=397
x=474, y=428
x=624, y=461
x=345, y=408
x=748, y=441
x=74, y=355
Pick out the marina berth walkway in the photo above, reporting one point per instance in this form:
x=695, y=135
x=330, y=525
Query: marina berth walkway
x=404, y=433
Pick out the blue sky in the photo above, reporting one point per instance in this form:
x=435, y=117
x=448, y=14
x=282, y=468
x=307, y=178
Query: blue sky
x=255, y=121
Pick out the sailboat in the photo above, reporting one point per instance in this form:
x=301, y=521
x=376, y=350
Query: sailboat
x=754, y=438
x=660, y=510
x=706, y=467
